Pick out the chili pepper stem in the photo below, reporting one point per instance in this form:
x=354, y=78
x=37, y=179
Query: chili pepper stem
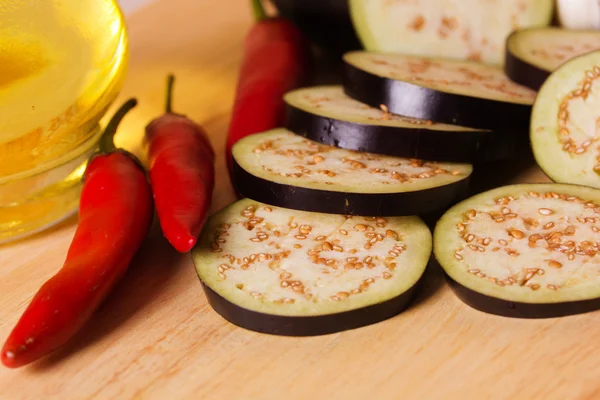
x=169, y=96
x=259, y=11
x=107, y=141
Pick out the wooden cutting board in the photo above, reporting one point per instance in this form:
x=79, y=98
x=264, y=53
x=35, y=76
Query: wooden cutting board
x=156, y=337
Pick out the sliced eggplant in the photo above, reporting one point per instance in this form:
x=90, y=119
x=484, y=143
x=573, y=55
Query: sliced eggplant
x=565, y=122
x=283, y=169
x=459, y=29
x=287, y=272
x=326, y=22
x=578, y=14
x=327, y=115
x=446, y=91
x=528, y=251
x=532, y=54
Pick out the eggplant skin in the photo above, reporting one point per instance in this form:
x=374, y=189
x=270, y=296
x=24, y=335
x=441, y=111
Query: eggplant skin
x=309, y=325
x=326, y=23
x=423, y=144
x=372, y=204
x=416, y=101
x=512, y=309
x=524, y=73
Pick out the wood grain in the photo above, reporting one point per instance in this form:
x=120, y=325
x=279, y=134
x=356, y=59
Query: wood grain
x=156, y=337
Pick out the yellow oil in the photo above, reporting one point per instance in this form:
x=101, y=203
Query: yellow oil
x=62, y=63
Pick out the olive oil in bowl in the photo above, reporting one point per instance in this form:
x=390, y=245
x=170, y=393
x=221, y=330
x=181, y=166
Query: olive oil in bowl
x=62, y=63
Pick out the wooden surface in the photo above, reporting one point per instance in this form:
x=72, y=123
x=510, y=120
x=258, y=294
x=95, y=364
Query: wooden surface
x=156, y=337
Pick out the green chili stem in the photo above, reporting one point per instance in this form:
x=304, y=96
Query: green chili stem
x=107, y=141
x=169, y=97
x=259, y=11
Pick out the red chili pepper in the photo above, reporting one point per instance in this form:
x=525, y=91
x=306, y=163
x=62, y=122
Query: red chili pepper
x=276, y=60
x=182, y=175
x=115, y=214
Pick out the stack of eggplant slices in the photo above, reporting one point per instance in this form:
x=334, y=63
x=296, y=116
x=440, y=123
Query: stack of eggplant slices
x=331, y=235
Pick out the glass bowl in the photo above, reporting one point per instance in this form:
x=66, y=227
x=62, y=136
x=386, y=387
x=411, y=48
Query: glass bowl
x=62, y=64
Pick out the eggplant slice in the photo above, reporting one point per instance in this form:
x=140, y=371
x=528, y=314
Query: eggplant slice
x=533, y=54
x=288, y=272
x=565, y=122
x=327, y=115
x=283, y=169
x=528, y=251
x=446, y=91
x=326, y=22
x=458, y=29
